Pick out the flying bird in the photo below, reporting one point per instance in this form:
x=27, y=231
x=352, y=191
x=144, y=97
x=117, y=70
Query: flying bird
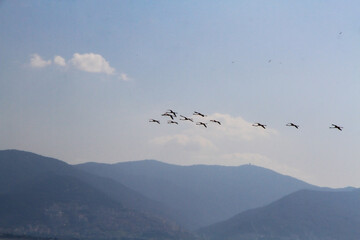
x=292, y=125
x=199, y=114
x=259, y=125
x=154, y=120
x=168, y=115
x=172, y=112
x=336, y=126
x=172, y=122
x=215, y=121
x=201, y=123
x=186, y=118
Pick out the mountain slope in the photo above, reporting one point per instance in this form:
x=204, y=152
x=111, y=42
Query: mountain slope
x=19, y=167
x=47, y=197
x=63, y=206
x=304, y=215
x=203, y=194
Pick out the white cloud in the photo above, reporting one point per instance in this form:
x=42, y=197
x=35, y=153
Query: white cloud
x=37, y=62
x=236, y=127
x=231, y=132
x=124, y=77
x=90, y=62
x=225, y=144
x=59, y=61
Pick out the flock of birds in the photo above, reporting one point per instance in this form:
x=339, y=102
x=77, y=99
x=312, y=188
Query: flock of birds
x=172, y=115
x=296, y=126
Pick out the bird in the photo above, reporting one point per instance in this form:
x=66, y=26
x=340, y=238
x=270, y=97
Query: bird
x=172, y=112
x=259, y=125
x=292, y=125
x=201, y=123
x=154, y=120
x=186, y=118
x=336, y=126
x=168, y=114
x=199, y=114
x=215, y=121
x=170, y=122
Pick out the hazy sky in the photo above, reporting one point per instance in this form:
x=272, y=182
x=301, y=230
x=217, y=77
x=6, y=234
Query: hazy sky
x=79, y=81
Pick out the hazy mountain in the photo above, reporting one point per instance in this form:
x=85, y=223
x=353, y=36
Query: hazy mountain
x=21, y=167
x=48, y=197
x=203, y=194
x=304, y=215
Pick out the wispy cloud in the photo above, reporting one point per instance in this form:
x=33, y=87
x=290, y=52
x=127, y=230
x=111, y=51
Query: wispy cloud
x=37, y=62
x=87, y=62
x=91, y=62
x=231, y=129
x=124, y=77
x=225, y=144
x=58, y=60
x=238, y=127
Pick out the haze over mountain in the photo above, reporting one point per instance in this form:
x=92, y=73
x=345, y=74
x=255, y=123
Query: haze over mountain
x=42, y=196
x=203, y=194
x=304, y=215
x=47, y=197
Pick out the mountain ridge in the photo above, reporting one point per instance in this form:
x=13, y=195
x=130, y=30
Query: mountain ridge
x=303, y=215
x=203, y=194
x=41, y=194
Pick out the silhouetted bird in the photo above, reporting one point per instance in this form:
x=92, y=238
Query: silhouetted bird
x=336, y=126
x=199, y=114
x=292, y=125
x=172, y=112
x=186, y=118
x=215, y=121
x=154, y=120
x=259, y=125
x=172, y=122
x=201, y=123
x=168, y=115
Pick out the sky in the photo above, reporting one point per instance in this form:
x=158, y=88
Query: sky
x=79, y=81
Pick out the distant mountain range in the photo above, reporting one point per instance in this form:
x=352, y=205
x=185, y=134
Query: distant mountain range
x=304, y=215
x=47, y=198
x=202, y=194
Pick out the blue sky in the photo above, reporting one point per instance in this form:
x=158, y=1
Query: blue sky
x=120, y=63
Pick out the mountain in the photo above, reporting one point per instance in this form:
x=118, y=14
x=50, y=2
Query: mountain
x=46, y=197
x=303, y=215
x=202, y=194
